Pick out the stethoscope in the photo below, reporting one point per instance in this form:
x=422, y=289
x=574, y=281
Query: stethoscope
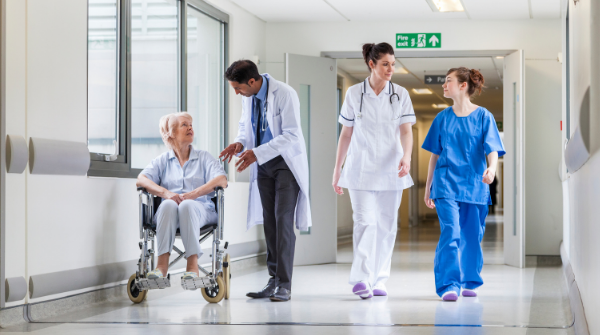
x=392, y=93
x=263, y=122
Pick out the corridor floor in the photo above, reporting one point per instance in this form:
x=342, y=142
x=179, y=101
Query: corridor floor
x=512, y=301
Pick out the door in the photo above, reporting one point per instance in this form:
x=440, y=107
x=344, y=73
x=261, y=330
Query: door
x=315, y=81
x=514, y=200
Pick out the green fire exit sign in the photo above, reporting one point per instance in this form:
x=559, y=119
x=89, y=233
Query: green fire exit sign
x=420, y=40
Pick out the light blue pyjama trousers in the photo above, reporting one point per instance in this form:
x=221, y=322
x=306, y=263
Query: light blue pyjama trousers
x=458, y=256
x=189, y=216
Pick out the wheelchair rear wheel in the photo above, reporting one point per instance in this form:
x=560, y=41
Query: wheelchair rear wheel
x=135, y=295
x=216, y=293
x=227, y=275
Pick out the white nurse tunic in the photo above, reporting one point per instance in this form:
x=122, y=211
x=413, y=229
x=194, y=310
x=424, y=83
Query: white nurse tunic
x=371, y=175
x=375, y=151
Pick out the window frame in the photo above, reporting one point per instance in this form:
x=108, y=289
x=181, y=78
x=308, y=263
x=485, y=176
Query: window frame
x=121, y=167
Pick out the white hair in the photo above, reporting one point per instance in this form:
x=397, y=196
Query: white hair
x=167, y=126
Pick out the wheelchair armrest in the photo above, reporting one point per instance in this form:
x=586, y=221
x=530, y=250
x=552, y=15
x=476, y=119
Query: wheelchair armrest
x=143, y=189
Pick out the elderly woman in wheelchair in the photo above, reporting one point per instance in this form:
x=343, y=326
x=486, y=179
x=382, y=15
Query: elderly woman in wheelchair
x=183, y=177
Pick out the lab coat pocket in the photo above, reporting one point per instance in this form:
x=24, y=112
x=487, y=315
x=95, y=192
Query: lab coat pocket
x=294, y=151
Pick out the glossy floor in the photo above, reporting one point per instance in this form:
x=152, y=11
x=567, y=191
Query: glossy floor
x=512, y=301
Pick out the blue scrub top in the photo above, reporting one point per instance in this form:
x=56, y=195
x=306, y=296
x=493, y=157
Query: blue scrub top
x=463, y=144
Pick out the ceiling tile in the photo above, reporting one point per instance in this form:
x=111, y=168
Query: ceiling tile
x=389, y=10
x=291, y=10
x=497, y=9
x=545, y=9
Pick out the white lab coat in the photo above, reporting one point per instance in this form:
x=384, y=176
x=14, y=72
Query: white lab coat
x=283, y=116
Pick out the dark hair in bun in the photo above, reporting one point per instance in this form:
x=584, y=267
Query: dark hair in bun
x=472, y=77
x=375, y=51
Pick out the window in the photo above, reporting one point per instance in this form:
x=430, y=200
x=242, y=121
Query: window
x=146, y=59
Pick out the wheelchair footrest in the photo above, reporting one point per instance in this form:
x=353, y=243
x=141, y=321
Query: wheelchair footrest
x=145, y=284
x=196, y=283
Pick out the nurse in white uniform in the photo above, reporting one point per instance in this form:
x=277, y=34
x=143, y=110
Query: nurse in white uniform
x=376, y=143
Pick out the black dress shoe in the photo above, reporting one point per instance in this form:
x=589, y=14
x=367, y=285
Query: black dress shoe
x=266, y=292
x=281, y=294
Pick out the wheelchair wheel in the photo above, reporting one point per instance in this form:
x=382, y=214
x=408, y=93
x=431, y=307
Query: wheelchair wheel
x=227, y=275
x=215, y=294
x=135, y=295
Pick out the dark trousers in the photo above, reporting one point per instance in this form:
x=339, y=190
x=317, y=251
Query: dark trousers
x=278, y=194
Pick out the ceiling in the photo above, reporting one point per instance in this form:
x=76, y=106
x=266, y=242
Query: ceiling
x=390, y=10
x=490, y=68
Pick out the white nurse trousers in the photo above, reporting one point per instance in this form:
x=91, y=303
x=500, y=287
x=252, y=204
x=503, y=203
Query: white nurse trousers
x=189, y=216
x=375, y=215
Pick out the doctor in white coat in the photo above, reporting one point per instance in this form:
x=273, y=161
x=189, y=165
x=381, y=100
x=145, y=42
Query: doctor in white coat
x=270, y=133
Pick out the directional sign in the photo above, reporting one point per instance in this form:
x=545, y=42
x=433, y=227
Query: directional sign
x=419, y=40
x=433, y=80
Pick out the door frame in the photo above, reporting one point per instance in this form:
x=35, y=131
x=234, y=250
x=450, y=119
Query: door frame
x=520, y=215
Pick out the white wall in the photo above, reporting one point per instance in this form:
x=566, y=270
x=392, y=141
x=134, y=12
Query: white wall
x=584, y=185
x=537, y=37
x=57, y=223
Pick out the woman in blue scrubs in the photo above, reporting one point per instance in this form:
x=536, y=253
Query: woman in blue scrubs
x=460, y=138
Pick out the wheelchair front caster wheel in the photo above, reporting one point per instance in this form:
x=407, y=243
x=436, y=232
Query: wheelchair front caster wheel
x=227, y=275
x=216, y=293
x=135, y=295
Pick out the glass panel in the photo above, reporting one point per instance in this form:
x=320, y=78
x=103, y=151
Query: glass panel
x=515, y=131
x=154, y=76
x=205, y=80
x=568, y=79
x=102, y=76
x=304, y=96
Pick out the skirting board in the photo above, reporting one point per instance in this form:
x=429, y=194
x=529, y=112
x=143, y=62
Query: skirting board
x=65, y=281
x=22, y=314
x=580, y=325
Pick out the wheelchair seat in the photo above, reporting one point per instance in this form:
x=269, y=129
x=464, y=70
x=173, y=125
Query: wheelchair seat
x=205, y=229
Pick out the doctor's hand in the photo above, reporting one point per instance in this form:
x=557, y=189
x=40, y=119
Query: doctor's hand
x=488, y=175
x=429, y=202
x=231, y=150
x=404, y=167
x=246, y=159
x=336, y=179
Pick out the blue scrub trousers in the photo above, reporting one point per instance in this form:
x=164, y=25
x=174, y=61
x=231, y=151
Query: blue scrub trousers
x=458, y=257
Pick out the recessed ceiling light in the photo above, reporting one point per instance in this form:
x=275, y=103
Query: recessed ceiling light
x=422, y=91
x=499, y=57
x=400, y=70
x=446, y=5
x=440, y=105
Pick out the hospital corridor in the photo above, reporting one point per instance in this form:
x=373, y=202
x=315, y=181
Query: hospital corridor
x=299, y=167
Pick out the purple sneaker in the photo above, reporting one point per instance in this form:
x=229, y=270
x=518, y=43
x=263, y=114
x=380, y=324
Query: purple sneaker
x=362, y=290
x=379, y=290
x=469, y=293
x=450, y=296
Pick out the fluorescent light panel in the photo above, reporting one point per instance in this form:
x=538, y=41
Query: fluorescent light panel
x=400, y=70
x=446, y=5
x=440, y=105
x=422, y=91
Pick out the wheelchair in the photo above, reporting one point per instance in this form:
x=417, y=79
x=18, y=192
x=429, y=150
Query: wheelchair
x=214, y=286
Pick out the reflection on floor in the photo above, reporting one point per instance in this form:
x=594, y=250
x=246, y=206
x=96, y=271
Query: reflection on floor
x=512, y=301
